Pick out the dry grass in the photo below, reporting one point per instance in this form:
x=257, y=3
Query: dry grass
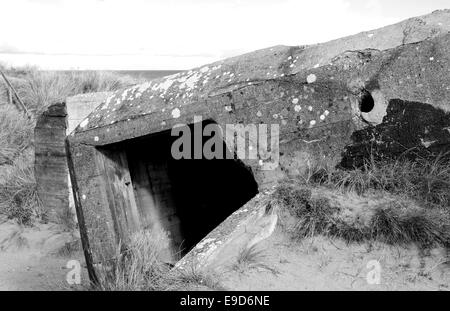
x=39, y=89
x=425, y=180
x=139, y=268
x=16, y=134
x=251, y=258
x=395, y=223
x=18, y=193
x=18, y=196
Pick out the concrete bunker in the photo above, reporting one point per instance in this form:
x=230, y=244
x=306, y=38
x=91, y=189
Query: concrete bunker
x=325, y=119
x=185, y=198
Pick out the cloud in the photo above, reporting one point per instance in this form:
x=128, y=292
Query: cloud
x=170, y=32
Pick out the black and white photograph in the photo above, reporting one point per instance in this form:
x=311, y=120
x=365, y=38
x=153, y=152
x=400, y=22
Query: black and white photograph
x=224, y=151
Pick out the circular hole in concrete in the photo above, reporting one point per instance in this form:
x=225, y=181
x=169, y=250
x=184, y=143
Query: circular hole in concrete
x=366, y=102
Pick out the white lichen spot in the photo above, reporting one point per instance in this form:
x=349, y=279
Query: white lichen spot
x=96, y=138
x=190, y=82
x=312, y=122
x=260, y=162
x=370, y=35
x=431, y=58
x=204, y=242
x=84, y=123
x=322, y=117
x=297, y=108
x=124, y=94
x=290, y=57
x=295, y=101
x=143, y=87
x=176, y=113
x=164, y=86
x=310, y=108
x=326, y=112
x=275, y=116
x=83, y=197
x=259, y=114
x=163, y=123
x=316, y=65
x=311, y=78
x=228, y=108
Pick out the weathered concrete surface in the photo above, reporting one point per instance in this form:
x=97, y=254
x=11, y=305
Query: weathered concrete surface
x=51, y=162
x=80, y=106
x=334, y=102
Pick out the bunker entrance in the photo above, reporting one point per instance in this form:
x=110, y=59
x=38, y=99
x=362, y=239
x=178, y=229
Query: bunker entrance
x=185, y=198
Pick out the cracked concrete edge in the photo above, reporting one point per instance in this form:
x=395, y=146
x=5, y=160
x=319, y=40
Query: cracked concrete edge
x=243, y=229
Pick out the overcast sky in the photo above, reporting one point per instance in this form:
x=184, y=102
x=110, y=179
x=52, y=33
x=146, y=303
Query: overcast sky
x=179, y=34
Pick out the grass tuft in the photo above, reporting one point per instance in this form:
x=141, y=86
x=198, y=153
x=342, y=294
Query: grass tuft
x=140, y=268
x=425, y=180
x=251, y=258
x=391, y=223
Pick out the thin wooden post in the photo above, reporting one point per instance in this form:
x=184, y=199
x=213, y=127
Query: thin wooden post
x=10, y=97
x=21, y=104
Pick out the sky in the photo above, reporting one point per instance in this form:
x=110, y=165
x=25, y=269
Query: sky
x=179, y=34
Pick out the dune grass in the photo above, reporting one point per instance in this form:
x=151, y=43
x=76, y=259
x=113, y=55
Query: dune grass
x=39, y=89
x=251, y=258
x=425, y=223
x=427, y=180
x=140, y=268
x=18, y=196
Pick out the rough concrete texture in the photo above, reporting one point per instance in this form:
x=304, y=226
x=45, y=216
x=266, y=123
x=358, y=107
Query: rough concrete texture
x=80, y=106
x=51, y=162
x=383, y=92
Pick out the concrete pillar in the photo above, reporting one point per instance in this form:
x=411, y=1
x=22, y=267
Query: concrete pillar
x=51, y=163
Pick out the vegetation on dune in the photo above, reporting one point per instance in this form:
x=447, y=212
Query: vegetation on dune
x=37, y=89
x=419, y=215
x=140, y=267
x=18, y=196
x=426, y=179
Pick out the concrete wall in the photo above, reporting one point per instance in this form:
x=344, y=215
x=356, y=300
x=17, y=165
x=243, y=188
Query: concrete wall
x=80, y=106
x=50, y=161
x=54, y=187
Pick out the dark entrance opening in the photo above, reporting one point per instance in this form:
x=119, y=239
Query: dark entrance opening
x=366, y=102
x=187, y=198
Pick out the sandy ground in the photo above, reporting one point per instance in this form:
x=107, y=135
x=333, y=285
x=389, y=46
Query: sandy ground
x=321, y=264
x=35, y=258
